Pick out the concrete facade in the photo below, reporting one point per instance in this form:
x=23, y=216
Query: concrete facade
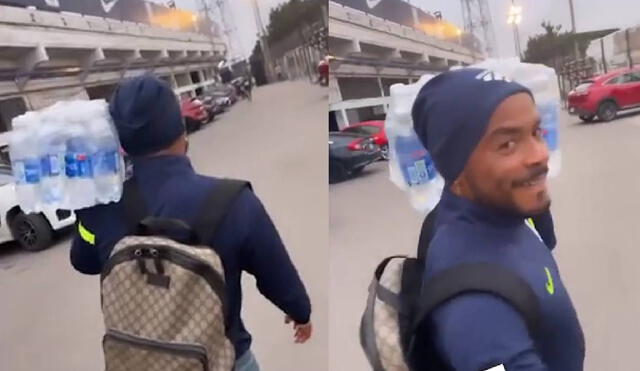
x=46, y=56
x=369, y=54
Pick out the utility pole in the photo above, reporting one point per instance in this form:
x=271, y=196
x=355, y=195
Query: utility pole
x=576, y=51
x=264, y=44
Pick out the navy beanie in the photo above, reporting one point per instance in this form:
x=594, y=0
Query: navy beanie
x=146, y=115
x=452, y=111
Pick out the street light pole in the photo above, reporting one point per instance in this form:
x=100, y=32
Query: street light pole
x=515, y=17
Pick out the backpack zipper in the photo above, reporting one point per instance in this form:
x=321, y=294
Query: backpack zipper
x=192, y=351
x=185, y=260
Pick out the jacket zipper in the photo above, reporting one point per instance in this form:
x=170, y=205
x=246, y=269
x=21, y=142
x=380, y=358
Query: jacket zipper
x=183, y=350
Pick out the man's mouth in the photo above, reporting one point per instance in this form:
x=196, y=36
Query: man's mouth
x=534, y=182
x=538, y=178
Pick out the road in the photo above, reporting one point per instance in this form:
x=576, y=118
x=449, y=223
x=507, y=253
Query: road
x=50, y=315
x=596, y=200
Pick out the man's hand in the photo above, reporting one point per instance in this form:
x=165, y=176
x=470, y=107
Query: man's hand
x=302, y=331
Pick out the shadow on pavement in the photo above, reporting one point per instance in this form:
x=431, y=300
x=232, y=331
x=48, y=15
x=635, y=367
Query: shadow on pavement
x=9, y=249
x=367, y=172
x=12, y=248
x=621, y=115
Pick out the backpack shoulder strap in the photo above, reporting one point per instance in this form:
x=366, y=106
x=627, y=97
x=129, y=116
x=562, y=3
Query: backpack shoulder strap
x=135, y=209
x=426, y=234
x=480, y=277
x=216, y=207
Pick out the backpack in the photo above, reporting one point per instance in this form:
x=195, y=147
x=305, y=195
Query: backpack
x=163, y=290
x=394, y=330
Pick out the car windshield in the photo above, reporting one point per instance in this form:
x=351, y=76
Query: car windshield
x=6, y=175
x=364, y=130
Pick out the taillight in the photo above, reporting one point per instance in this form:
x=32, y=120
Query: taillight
x=356, y=145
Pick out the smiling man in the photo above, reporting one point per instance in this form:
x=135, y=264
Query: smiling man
x=484, y=135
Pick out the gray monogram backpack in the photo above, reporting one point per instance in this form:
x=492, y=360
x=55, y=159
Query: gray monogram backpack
x=395, y=332
x=163, y=290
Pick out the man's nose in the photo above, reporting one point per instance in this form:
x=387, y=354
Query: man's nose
x=538, y=153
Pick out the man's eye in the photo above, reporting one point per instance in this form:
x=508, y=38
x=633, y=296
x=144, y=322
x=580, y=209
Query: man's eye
x=539, y=133
x=508, y=145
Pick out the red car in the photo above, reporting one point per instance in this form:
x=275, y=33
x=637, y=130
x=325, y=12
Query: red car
x=605, y=95
x=194, y=113
x=370, y=129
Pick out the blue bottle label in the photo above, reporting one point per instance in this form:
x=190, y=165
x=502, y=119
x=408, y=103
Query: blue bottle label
x=27, y=171
x=549, y=124
x=78, y=165
x=416, y=164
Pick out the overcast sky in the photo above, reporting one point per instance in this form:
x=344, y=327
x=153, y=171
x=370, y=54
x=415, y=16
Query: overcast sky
x=590, y=15
x=242, y=16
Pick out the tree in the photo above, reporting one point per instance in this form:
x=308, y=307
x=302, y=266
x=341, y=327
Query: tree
x=287, y=17
x=553, y=45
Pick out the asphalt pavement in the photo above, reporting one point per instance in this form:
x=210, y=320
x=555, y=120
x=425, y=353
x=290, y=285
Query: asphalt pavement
x=50, y=316
x=596, y=203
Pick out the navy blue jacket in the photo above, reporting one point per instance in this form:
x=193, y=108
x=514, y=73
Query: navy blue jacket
x=478, y=331
x=246, y=241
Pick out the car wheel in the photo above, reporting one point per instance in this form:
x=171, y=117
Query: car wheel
x=607, y=111
x=384, y=152
x=587, y=118
x=192, y=125
x=337, y=172
x=32, y=231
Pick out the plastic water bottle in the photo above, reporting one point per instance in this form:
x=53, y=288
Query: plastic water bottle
x=81, y=188
x=52, y=146
x=419, y=177
x=25, y=162
x=107, y=162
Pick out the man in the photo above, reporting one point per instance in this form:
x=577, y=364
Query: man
x=147, y=117
x=483, y=133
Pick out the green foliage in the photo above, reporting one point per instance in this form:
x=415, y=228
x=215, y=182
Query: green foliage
x=287, y=17
x=553, y=45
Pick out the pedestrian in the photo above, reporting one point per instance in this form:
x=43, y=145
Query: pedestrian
x=323, y=72
x=151, y=129
x=483, y=133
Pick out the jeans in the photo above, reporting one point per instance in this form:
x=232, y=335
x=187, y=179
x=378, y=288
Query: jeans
x=247, y=362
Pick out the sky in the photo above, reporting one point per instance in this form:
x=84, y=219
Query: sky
x=243, y=17
x=590, y=15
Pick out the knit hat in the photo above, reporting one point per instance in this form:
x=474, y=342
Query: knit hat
x=452, y=111
x=146, y=115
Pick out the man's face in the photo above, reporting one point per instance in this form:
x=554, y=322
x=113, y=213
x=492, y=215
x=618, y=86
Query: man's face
x=508, y=168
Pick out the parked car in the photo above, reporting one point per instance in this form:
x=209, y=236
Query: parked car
x=603, y=96
x=349, y=154
x=35, y=231
x=374, y=130
x=211, y=106
x=194, y=113
x=223, y=95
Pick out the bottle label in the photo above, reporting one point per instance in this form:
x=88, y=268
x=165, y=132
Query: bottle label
x=107, y=163
x=51, y=165
x=78, y=165
x=27, y=171
x=549, y=124
x=421, y=171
